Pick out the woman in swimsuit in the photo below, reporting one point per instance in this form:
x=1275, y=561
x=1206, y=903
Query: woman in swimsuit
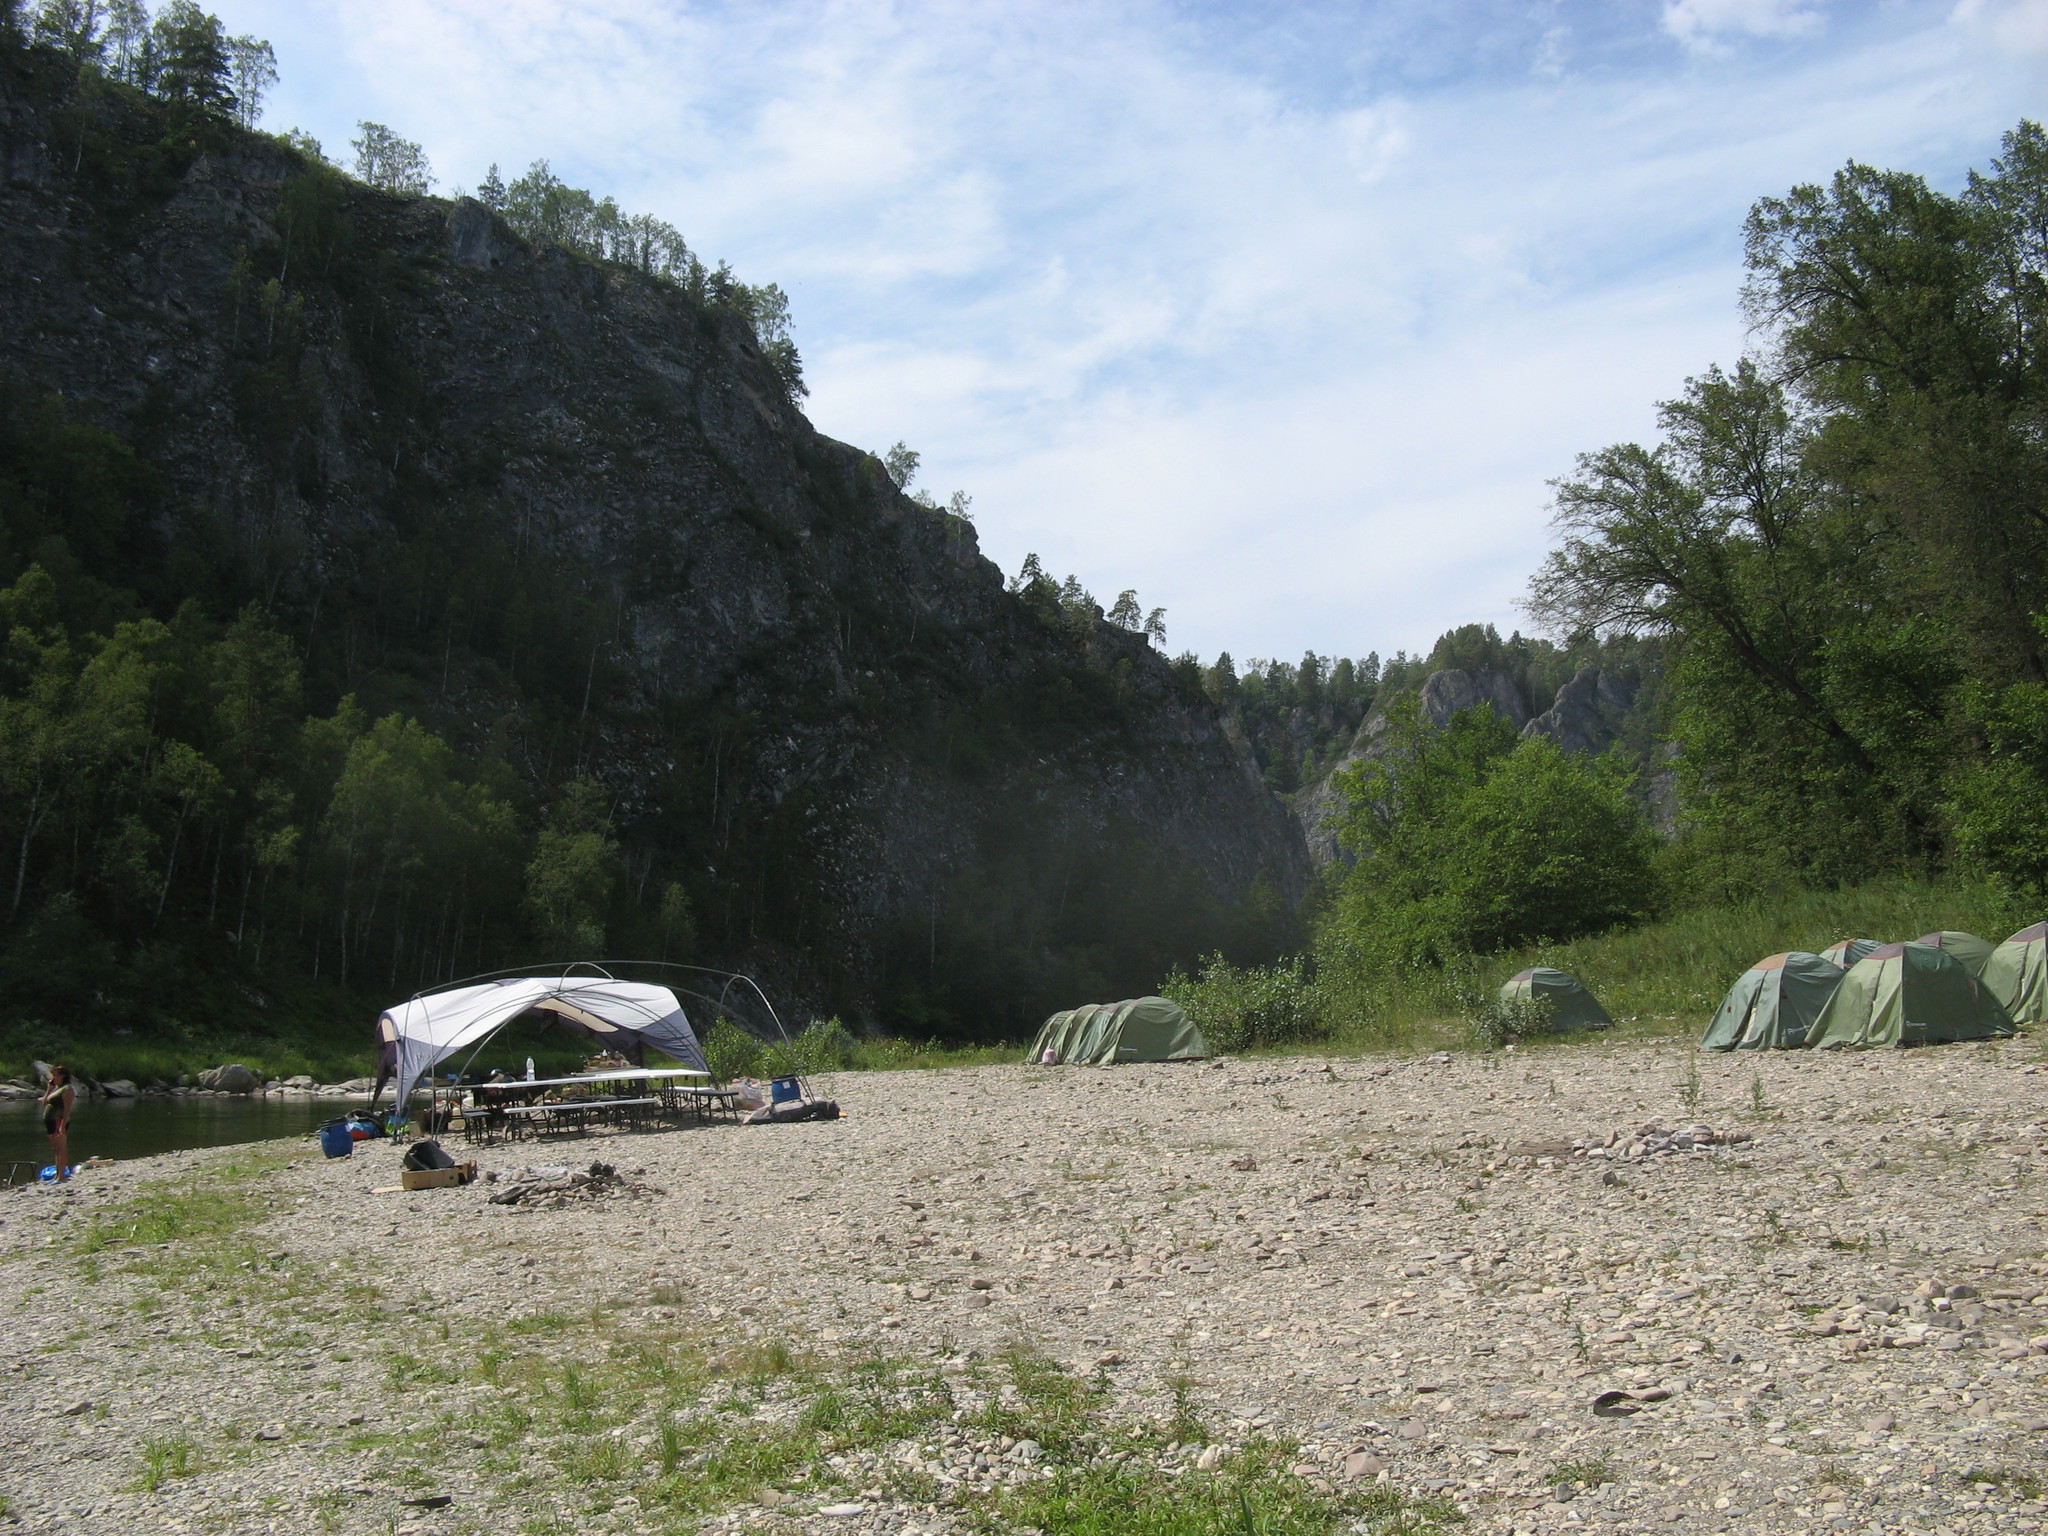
x=58, y=1098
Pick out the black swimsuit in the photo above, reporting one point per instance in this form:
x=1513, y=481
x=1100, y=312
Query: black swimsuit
x=53, y=1116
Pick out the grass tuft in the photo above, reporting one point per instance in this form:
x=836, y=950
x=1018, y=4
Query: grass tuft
x=166, y=1458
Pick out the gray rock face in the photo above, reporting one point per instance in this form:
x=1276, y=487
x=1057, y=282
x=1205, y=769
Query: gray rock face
x=1445, y=694
x=1588, y=713
x=120, y=1088
x=793, y=655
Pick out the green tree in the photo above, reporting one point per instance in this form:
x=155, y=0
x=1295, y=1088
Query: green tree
x=1807, y=726
x=1996, y=802
x=1916, y=323
x=1470, y=841
x=183, y=777
x=71, y=26
x=256, y=688
x=126, y=41
x=575, y=866
x=414, y=854
x=1548, y=847
x=72, y=718
x=678, y=922
x=491, y=190
x=190, y=58
x=390, y=163
x=901, y=462
x=252, y=68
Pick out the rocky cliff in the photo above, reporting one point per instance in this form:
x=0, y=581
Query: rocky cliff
x=568, y=515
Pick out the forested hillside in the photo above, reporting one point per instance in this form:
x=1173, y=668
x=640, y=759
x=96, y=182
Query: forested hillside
x=390, y=594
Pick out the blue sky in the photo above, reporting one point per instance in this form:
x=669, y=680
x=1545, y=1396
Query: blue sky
x=1282, y=314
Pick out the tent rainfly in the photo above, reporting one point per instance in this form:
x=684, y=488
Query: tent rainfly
x=1908, y=994
x=2017, y=975
x=1966, y=947
x=1846, y=952
x=1773, y=1004
x=1103, y=1034
x=1574, y=1007
x=624, y=1016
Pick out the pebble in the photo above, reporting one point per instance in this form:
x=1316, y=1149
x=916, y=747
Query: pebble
x=1411, y=1271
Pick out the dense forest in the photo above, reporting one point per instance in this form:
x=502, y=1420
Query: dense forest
x=395, y=588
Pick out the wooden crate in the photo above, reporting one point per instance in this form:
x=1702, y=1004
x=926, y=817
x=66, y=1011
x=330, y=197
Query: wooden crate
x=438, y=1178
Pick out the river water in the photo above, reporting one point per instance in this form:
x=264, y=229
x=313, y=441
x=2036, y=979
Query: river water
x=123, y=1128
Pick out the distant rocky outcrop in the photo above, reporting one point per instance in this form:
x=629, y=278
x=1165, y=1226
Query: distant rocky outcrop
x=1589, y=714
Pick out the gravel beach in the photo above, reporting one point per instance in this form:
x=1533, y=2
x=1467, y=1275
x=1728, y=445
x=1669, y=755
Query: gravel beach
x=1806, y=1293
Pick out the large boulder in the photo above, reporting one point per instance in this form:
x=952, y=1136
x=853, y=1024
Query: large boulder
x=120, y=1088
x=230, y=1079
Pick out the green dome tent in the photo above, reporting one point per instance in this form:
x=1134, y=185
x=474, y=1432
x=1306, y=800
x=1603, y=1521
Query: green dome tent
x=1908, y=994
x=1102, y=1034
x=1846, y=952
x=1773, y=1004
x=1574, y=1007
x=2017, y=975
x=1966, y=947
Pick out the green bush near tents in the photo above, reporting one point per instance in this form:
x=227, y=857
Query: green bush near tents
x=1246, y=1008
x=1507, y=1020
x=1571, y=1004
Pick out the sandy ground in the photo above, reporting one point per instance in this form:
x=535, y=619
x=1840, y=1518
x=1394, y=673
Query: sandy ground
x=1406, y=1266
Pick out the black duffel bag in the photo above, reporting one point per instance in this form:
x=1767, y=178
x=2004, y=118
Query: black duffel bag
x=422, y=1155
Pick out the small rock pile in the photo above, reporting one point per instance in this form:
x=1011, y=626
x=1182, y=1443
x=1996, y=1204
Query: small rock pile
x=1652, y=1140
x=1936, y=1315
x=553, y=1188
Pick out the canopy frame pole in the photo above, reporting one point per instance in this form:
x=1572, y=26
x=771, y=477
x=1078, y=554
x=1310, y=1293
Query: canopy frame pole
x=789, y=1045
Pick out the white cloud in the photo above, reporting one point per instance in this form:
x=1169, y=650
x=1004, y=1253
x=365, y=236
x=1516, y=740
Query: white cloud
x=1702, y=24
x=2020, y=26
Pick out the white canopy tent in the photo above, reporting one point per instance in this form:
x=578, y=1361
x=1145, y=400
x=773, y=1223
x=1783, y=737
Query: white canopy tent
x=419, y=1034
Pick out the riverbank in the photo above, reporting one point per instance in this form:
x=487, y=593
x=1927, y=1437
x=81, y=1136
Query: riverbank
x=1359, y=1287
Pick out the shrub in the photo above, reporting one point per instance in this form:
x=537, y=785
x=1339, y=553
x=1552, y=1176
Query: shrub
x=730, y=1051
x=1502, y=1021
x=825, y=1045
x=1242, y=1008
